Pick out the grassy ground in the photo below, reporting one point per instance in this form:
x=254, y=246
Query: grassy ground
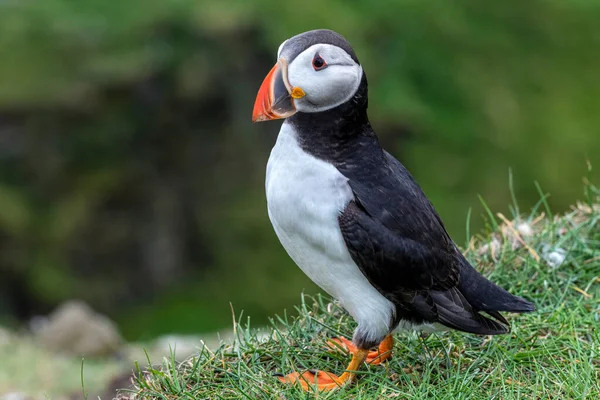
x=552, y=353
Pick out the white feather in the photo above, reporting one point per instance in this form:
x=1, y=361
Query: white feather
x=305, y=196
x=280, y=47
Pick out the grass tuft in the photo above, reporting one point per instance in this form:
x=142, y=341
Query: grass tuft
x=552, y=353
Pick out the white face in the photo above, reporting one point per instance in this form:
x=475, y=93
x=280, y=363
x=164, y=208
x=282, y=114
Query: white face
x=327, y=75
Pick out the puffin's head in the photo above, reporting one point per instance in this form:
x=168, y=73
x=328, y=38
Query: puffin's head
x=315, y=71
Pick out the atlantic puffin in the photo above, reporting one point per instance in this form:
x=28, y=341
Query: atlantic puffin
x=354, y=219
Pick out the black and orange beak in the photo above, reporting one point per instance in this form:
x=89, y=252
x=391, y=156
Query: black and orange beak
x=275, y=98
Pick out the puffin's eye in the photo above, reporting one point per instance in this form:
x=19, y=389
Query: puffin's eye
x=318, y=63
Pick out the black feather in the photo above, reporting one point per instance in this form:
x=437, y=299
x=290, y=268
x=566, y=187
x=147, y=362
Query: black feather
x=487, y=296
x=412, y=275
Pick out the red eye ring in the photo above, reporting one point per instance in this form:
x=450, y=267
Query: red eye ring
x=318, y=63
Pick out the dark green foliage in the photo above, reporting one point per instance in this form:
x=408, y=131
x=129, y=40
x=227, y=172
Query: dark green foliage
x=128, y=163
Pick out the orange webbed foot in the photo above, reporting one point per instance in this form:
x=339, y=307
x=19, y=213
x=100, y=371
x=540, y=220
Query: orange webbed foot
x=322, y=380
x=375, y=357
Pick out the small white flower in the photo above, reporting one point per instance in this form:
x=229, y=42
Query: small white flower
x=492, y=247
x=554, y=256
x=525, y=229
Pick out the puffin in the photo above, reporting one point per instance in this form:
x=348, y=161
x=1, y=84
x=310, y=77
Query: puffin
x=354, y=219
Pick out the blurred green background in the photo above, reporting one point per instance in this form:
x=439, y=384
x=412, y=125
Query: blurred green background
x=132, y=177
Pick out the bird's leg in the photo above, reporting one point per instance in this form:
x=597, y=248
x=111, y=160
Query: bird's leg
x=324, y=380
x=383, y=352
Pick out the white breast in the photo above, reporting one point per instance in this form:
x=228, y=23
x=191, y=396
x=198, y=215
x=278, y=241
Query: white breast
x=305, y=196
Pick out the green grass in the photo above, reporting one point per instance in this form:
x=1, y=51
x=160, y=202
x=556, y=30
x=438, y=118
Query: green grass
x=552, y=353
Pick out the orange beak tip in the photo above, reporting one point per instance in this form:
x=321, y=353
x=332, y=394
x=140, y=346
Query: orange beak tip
x=275, y=86
x=262, y=105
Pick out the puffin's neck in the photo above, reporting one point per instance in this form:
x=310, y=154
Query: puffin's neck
x=340, y=134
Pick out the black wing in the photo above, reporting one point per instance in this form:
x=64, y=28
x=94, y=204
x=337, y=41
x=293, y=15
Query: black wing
x=400, y=244
x=420, y=253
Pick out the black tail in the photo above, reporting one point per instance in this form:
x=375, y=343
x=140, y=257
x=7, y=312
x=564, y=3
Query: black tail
x=459, y=308
x=454, y=311
x=486, y=296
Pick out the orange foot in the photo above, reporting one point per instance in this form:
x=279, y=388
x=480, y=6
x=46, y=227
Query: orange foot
x=310, y=379
x=325, y=380
x=375, y=357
